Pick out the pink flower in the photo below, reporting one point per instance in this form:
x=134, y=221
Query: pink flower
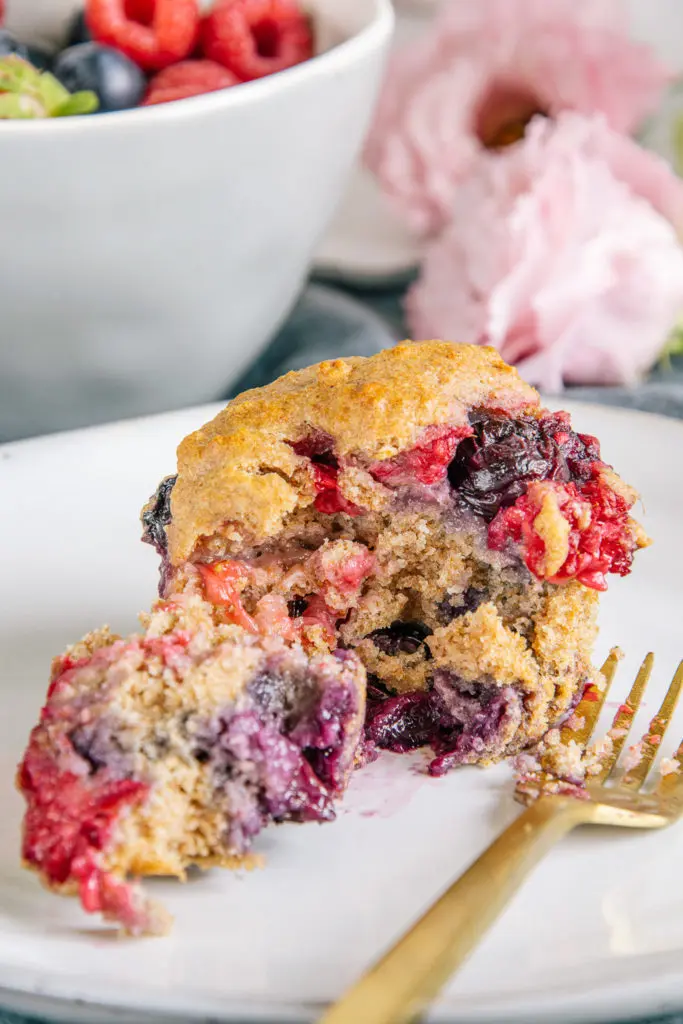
x=478, y=76
x=563, y=253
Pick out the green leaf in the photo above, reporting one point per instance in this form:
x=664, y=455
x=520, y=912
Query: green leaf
x=673, y=347
x=678, y=146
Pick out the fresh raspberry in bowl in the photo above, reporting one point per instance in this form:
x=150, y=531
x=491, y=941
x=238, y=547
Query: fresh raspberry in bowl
x=254, y=38
x=188, y=78
x=134, y=53
x=153, y=33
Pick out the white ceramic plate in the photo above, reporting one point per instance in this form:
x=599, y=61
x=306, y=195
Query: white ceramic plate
x=596, y=934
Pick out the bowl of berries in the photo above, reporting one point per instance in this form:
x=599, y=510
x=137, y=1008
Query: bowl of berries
x=173, y=167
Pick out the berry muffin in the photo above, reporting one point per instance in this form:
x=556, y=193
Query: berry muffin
x=392, y=552
x=176, y=746
x=421, y=509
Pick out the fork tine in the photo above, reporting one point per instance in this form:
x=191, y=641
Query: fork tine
x=623, y=720
x=635, y=777
x=591, y=704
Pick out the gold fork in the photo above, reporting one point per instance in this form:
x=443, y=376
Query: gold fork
x=403, y=983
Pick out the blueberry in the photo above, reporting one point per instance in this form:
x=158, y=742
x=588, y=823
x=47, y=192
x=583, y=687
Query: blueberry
x=401, y=638
x=157, y=515
x=458, y=719
x=297, y=606
x=495, y=466
x=270, y=695
x=449, y=609
x=78, y=30
x=403, y=723
x=117, y=81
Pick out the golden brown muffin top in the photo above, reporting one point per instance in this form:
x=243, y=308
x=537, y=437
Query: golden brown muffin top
x=240, y=472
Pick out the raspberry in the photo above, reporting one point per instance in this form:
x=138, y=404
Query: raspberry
x=598, y=543
x=188, y=78
x=318, y=448
x=318, y=614
x=254, y=38
x=222, y=586
x=140, y=10
x=153, y=33
x=329, y=499
x=427, y=462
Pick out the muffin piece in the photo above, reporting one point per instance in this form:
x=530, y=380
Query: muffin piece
x=421, y=508
x=176, y=746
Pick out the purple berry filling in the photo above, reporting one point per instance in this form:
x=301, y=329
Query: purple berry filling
x=265, y=777
x=282, y=752
x=283, y=756
x=459, y=720
x=97, y=742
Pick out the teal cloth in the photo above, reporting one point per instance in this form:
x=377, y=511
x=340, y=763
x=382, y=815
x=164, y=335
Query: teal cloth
x=332, y=322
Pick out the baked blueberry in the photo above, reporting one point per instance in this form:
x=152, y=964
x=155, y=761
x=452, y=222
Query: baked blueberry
x=402, y=638
x=156, y=515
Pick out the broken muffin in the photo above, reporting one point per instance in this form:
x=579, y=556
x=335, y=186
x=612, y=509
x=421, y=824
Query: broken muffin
x=176, y=746
x=387, y=553
x=422, y=509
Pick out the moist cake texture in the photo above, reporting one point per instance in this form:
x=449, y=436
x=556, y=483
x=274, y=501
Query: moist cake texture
x=422, y=509
x=387, y=553
x=175, y=747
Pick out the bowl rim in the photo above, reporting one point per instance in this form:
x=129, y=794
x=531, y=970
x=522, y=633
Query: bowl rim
x=373, y=36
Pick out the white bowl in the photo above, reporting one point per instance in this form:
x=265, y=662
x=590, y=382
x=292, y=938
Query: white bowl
x=149, y=255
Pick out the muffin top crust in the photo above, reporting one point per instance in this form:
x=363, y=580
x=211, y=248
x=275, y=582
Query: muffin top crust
x=242, y=469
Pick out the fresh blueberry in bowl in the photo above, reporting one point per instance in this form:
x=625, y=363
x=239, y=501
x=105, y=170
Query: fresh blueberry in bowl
x=118, y=83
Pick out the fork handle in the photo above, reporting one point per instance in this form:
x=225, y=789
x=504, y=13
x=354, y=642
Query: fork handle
x=403, y=983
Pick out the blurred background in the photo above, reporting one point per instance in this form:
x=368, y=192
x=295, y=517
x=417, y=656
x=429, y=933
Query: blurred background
x=447, y=178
